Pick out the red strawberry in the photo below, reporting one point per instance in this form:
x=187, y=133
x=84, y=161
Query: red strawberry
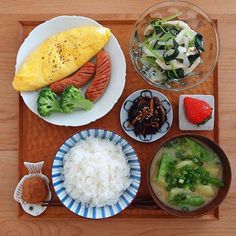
x=197, y=111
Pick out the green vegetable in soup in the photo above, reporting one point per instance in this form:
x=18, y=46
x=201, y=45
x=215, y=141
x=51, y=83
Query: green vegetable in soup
x=183, y=177
x=194, y=201
x=186, y=175
x=199, y=151
x=182, y=199
x=206, y=178
x=180, y=193
x=166, y=159
x=184, y=208
x=177, y=199
x=215, y=181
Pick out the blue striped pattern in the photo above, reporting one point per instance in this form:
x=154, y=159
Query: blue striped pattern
x=96, y=212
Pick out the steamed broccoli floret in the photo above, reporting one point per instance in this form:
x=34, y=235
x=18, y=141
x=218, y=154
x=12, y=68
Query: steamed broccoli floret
x=72, y=100
x=47, y=102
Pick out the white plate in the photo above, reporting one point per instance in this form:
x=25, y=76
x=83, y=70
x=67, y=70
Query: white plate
x=165, y=127
x=115, y=87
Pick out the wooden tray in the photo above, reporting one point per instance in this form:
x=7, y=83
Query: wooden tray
x=39, y=140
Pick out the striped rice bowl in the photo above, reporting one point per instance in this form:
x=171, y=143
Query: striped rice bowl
x=96, y=173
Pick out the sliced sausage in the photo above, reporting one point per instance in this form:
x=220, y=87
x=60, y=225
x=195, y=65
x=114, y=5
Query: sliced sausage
x=102, y=77
x=78, y=79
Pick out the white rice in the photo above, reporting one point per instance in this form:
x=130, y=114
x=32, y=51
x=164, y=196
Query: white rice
x=96, y=172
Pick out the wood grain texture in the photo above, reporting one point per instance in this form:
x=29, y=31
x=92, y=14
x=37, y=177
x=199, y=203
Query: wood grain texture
x=13, y=11
x=50, y=137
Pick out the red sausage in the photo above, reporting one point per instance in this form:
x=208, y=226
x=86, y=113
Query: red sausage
x=102, y=77
x=78, y=79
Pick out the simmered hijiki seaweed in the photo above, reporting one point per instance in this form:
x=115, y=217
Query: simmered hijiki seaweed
x=147, y=115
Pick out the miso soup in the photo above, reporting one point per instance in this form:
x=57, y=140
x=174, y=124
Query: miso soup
x=186, y=174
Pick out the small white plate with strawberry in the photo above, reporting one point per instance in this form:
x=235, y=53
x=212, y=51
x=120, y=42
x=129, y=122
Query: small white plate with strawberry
x=196, y=112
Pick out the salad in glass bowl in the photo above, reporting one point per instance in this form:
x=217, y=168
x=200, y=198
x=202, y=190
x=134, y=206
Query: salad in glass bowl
x=174, y=45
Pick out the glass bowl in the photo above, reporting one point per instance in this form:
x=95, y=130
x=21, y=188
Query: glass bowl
x=199, y=21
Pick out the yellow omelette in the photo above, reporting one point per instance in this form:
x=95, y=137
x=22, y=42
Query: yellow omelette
x=59, y=56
